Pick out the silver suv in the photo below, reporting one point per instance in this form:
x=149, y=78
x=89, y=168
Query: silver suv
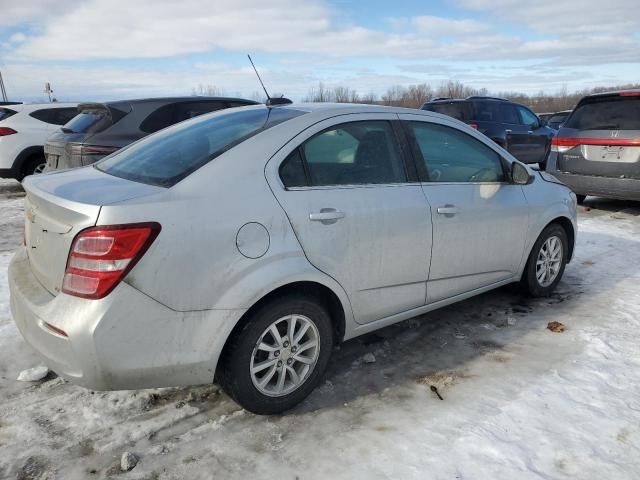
x=243, y=245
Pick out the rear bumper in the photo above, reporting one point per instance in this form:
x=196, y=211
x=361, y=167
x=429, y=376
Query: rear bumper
x=620, y=188
x=124, y=341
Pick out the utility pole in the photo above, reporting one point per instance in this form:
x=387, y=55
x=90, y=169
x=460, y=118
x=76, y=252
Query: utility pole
x=2, y=90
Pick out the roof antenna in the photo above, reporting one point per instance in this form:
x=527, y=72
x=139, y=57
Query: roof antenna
x=271, y=102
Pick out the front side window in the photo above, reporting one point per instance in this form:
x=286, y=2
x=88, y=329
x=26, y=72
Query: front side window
x=528, y=118
x=450, y=155
x=354, y=153
x=169, y=156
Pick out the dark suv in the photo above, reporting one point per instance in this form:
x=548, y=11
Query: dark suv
x=597, y=149
x=511, y=125
x=100, y=129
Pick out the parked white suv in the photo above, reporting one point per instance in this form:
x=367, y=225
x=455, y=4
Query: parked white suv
x=23, y=132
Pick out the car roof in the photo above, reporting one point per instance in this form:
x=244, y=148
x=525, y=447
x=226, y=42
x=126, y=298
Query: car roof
x=344, y=108
x=635, y=91
x=190, y=98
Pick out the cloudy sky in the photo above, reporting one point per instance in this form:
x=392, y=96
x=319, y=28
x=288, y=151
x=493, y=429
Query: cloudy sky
x=107, y=49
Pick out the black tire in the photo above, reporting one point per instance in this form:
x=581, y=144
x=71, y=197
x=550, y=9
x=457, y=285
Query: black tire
x=31, y=165
x=581, y=199
x=234, y=373
x=529, y=281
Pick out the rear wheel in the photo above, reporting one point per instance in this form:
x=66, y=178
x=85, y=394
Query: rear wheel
x=546, y=262
x=33, y=166
x=279, y=356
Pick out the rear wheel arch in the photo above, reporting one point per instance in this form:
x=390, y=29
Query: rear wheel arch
x=307, y=289
x=24, y=158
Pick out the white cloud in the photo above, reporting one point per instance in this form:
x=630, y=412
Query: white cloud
x=14, y=12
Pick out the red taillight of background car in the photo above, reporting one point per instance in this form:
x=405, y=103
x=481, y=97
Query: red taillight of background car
x=100, y=257
x=4, y=131
x=81, y=149
x=629, y=94
x=474, y=125
x=562, y=144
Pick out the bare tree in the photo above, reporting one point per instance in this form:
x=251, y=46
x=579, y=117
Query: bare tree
x=207, y=91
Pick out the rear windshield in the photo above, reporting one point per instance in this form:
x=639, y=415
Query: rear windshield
x=168, y=156
x=83, y=122
x=606, y=113
x=457, y=110
x=6, y=113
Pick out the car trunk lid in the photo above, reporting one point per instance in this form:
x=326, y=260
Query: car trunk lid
x=58, y=206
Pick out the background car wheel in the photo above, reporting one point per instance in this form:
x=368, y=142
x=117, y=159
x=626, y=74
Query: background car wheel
x=33, y=166
x=581, y=198
x=546, y=262
x=278, y=357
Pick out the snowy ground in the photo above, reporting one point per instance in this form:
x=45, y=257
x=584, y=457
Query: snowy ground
x=520, y=402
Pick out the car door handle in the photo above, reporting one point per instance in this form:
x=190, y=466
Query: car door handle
x=326, y=216
x=448, y=210
x=530, y=132
x=508, y=131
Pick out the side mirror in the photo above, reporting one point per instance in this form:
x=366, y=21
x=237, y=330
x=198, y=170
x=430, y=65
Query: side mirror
x=520, y=175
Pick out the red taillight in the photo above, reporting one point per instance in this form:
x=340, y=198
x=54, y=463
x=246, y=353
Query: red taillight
x=100, y=257
x=562, y=144
x=81, y=149
x=474, y=125
x=4, y=131
x=629, y=94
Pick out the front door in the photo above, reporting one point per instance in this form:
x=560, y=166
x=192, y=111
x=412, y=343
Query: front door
x=479, y=219
x=358, y=218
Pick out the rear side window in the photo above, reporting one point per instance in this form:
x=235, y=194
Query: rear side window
x=354, y=153
x=458, y=110
x=173, y=113
x=509, y=114
x=486, y=111
x=60, y=116
x=449, y=155
x=42, y=115
x=606, y=113
x=169, y=156
x=6, y=113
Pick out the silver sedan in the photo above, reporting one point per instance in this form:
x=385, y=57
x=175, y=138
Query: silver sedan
x=242, y=245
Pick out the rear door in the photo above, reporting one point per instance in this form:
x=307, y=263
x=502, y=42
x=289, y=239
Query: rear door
x=479, y=219
x=527, y=141
x=602, y=137
x=357, y=213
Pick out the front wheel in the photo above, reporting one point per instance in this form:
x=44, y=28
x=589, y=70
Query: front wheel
x=279, y=356
x=546, y=262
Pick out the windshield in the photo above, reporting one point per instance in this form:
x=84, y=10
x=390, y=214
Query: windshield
x=170, y=155
x=606, y=113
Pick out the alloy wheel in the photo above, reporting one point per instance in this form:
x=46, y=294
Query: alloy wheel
x=285, y=355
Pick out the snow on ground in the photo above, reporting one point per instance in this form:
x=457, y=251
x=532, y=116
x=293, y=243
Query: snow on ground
x=519, y=401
